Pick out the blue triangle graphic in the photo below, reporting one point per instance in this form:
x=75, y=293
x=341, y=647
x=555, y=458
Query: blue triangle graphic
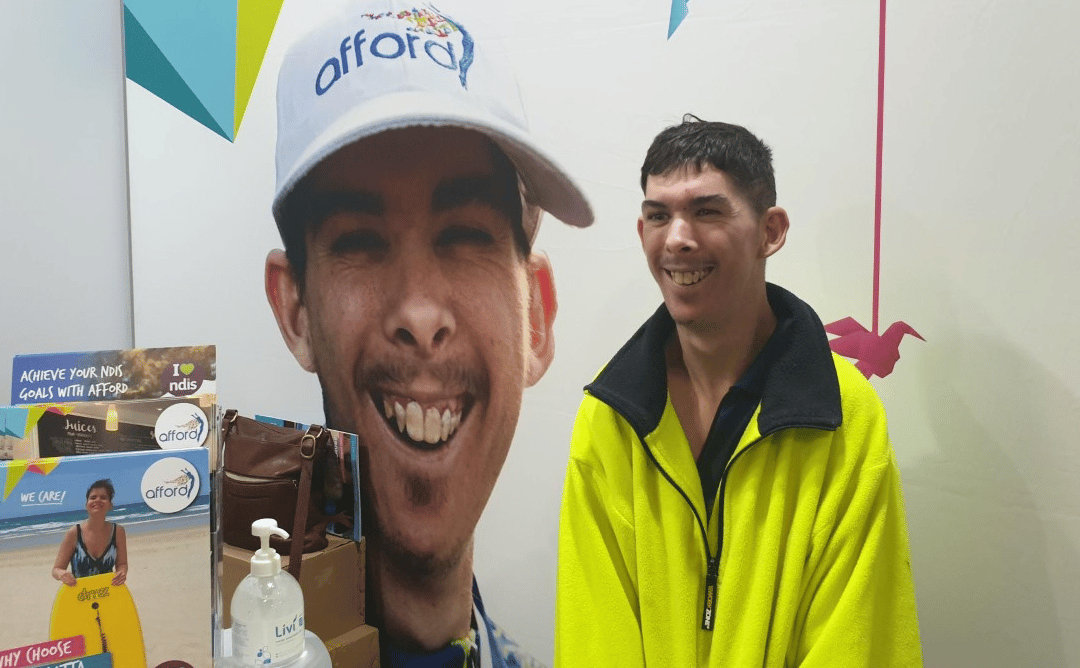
x=149, y=68
x=199, y=38
x=679, y=10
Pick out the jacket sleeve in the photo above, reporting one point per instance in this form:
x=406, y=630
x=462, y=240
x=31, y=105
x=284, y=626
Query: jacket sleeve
x=859, y=605
x=597, y=620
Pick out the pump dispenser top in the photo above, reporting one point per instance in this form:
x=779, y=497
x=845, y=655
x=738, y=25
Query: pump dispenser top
x=266, y=561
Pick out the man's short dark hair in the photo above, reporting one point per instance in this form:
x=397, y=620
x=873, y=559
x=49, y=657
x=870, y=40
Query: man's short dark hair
x=730, y=148
x=295, y=225
x=104, y=484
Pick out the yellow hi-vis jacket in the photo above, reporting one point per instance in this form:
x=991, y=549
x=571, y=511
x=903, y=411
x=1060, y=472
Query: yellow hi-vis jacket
x=803, y=561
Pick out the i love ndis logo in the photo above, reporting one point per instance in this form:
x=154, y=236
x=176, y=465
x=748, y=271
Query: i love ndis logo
x=423, y=35
x=182, y=379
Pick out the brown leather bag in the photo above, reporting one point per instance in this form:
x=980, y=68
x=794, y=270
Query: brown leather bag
x=268, y=472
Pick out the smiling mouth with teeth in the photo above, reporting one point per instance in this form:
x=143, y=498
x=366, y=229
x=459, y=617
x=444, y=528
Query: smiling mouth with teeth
x=688, y=277
x=423, y=424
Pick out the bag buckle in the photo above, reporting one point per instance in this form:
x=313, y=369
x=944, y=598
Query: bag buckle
x=228, y=421
x=310, y=440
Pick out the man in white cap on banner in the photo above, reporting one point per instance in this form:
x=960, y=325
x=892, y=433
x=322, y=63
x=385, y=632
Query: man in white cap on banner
x=409, y=192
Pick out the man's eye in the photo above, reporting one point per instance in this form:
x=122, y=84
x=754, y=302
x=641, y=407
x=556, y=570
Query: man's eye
x=704, y=213
x=462, y=234
x=656, y=217
x=359, y=241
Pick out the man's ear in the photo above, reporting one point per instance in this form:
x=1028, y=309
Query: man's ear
x=542, y=306
x=283, y=293
x=774, y=229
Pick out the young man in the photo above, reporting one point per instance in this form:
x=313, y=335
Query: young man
x=409, y=194
x=731, y=498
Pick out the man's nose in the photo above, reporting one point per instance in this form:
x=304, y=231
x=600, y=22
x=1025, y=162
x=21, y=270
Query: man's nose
x=421, y=319
x=680, y=236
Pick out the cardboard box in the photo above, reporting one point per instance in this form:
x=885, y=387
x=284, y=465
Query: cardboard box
x=332, y=580
x=358, y=648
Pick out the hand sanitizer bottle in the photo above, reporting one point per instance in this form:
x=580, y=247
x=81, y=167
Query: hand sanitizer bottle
x=267, y=608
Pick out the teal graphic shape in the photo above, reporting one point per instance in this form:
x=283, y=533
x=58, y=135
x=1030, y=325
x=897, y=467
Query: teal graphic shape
x=148, y=67
x=679, y=10
x=13, y=421
x=198, y=39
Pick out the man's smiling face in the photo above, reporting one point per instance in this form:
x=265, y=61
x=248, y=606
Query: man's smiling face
x=704, y=243
x=417, y=315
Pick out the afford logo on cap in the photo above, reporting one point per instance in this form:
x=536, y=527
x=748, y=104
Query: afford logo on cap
x=424, y=35
x=383, y=65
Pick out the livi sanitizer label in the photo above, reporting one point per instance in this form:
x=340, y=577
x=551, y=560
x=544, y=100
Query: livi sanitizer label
x=268, y=645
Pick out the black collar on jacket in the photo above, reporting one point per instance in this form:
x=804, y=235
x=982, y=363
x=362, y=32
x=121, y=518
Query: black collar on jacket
x=801, y=388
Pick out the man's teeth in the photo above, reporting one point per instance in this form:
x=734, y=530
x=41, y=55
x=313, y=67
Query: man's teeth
x=422, y=426
x=688, y=277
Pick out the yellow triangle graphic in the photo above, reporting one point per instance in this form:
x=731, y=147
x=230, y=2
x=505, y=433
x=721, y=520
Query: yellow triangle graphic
x=45, y=465
x=255, y=20
x=15, y=470
x=34, y=413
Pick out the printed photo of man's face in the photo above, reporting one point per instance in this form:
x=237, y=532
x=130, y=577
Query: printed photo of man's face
x=417, y=312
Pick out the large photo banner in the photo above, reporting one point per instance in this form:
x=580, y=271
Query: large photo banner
x=459, y=358
x=595, y=83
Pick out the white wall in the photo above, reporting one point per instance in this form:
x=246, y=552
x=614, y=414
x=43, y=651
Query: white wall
x=65, y=276
x=979, y=253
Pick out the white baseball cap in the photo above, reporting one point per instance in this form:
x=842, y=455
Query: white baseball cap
x=387, y=64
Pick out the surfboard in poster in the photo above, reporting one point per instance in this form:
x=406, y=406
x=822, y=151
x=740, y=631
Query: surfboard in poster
x=104, y=615
x=56, y=517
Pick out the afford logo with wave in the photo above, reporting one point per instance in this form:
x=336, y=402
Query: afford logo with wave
x=181, y=426
x=170, y=485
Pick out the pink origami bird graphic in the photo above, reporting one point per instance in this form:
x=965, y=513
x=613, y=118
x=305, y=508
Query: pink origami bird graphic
x=876, y=353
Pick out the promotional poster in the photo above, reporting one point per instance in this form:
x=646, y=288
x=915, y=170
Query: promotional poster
x=126, y=537
x=149, y=373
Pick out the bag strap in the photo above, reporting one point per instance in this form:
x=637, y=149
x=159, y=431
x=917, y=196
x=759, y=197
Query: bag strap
x=310, y=444
x=227, y=423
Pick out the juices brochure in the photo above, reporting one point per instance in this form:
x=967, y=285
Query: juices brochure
x=99, y=427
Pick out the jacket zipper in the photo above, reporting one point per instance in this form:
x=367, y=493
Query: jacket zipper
x=712, y=584
x=711, y=562
x=712, y=576
x=712, y=566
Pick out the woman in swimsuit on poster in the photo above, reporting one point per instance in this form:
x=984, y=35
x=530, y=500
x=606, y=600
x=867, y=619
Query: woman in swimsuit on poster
x=94, y=536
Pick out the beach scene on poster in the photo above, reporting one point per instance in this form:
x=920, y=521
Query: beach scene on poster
x=106, y=560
